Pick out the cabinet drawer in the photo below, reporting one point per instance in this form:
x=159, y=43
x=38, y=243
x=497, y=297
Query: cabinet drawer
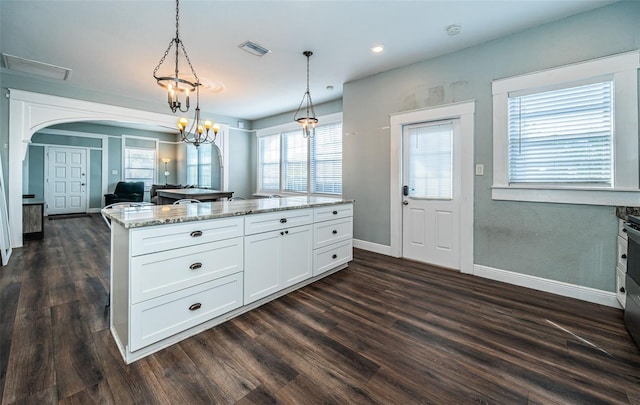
x=621, y=231
x=164, y=237
x=273, y=221
x=164, y=316
x=622, y=254
x=326, y=258
x=160, y=273
x=330, y=232
x=621, y=292
x=332, y=212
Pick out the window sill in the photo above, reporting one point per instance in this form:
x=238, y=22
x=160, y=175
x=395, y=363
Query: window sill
x=586, y=196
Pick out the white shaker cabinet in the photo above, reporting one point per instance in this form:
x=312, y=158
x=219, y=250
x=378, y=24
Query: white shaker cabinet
x=179, y=270
x=621, y=265
x=332, y=235
x=280, y=257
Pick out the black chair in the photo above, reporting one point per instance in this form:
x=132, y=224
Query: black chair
x=126, y=191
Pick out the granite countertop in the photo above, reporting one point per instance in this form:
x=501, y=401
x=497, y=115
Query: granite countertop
x=149, y=215
x=624, y=212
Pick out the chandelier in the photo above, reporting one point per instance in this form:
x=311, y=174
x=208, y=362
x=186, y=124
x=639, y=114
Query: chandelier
x=309, y=120
x=199, y=131
x=176, y=84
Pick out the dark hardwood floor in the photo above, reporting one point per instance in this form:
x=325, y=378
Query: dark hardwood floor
x=383, y=331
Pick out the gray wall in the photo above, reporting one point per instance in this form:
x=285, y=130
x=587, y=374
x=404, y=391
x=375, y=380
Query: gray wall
x=35, y=183
x=568, y=243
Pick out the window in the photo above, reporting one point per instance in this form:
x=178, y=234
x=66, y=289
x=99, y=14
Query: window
x=290, y=163
x=294, y=161
x=562, y=136
x=326, y=160
x=569, y=134
x=140, y=165
x=269, y=163
x=199, y=165
x=430, y=154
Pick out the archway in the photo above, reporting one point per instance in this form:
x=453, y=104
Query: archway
x=30, y=112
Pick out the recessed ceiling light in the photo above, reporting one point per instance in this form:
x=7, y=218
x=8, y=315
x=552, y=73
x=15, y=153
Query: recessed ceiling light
x=453, y=29
x=377, y=49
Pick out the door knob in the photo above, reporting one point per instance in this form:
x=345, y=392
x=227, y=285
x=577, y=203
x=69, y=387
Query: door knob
x=405, y=202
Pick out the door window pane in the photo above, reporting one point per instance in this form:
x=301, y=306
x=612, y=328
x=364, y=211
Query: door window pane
x=430, y=161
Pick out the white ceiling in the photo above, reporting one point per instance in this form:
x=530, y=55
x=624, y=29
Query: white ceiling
x=113, y=46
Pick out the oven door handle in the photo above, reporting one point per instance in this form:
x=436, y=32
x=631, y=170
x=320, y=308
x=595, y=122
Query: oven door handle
x=632, y=232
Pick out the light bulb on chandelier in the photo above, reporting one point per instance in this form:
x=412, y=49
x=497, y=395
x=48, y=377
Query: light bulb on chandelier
x=176, y=84
x=199, y=131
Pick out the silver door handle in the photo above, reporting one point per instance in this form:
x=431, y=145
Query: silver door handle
x=405, y=202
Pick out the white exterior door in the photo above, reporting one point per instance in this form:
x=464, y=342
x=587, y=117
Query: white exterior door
x=66, y=181
x=431, y=193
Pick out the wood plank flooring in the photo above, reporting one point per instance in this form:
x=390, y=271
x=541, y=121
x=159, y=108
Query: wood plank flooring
x=383, y=331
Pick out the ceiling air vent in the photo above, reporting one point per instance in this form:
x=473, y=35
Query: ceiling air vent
x=254, y=48
x=34, y=67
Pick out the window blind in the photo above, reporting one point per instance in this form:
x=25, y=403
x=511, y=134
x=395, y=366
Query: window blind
x=199, y=165
x=562, y=136
x=326, y=160
x=294, y=161
x=269, y=163
x=139, y=165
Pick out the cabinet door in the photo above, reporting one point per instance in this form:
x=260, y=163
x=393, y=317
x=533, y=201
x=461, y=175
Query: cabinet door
x=263, y=261
x=297, y=254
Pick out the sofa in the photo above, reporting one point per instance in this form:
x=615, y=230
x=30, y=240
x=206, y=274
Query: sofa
x=126, y=191
x=156, y=187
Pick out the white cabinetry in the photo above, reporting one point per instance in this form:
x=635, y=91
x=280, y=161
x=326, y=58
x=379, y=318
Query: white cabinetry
x=332, y=235
x=278, y=252
x=171, y=281
x=621, y=266
x=167, y=279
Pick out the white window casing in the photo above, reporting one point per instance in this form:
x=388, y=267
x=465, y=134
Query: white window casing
x=622, y=69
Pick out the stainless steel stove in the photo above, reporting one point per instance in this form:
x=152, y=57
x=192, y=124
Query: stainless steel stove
x=632, y=281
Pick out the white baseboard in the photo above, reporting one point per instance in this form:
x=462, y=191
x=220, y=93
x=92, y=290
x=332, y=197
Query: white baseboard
x=94, y=210
x=523, y=280
x=542, y=284
x=372, y=247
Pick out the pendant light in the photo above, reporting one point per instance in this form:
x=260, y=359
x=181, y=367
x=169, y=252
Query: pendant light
x=199, y=131
x=309, y=120
x=176, y=84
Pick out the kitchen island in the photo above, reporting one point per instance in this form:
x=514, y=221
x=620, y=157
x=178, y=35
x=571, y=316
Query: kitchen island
x=177, y=270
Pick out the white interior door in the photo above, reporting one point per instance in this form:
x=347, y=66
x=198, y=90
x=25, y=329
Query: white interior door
x=66, y=181
x=431, y=193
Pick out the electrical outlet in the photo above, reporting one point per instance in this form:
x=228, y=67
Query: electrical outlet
x=479, y=170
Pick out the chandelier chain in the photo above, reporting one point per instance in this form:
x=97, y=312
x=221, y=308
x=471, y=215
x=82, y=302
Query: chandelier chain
x=180, y=44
